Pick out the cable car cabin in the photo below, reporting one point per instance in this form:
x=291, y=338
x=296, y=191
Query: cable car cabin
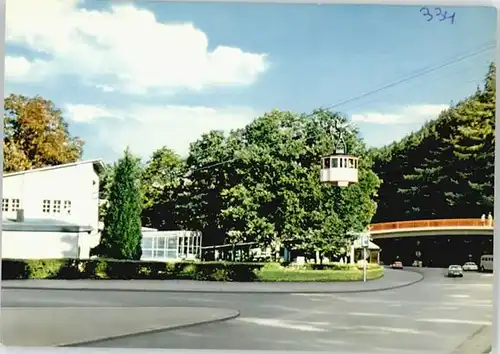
x=339, y=170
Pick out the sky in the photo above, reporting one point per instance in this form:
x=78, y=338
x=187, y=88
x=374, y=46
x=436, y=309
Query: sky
x=153, y=74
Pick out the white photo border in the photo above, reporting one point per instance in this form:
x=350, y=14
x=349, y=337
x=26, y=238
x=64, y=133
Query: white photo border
x=495, y=347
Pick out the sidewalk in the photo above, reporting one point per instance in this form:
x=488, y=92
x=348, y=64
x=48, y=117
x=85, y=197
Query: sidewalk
x=391, y=280
x=50, y=327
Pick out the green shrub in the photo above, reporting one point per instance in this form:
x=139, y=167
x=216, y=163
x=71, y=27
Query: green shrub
x=44, y=268
x=123, y=270
x=94, y=269
x=220, y=274
x=207, y=271
x=325, y=275
x=333, y=266
x=272, y=265
x=189, y=271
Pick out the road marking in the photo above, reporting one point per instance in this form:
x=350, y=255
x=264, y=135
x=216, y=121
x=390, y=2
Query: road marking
x=315, y=327
x=392, y=329
x=309, y=327
x=443, y=308
x=313, y=295
x=454, y=321
x=367, y=314
x=467, y=285
x=460, y=296
x=400, y=302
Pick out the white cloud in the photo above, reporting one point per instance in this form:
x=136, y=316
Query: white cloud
x=147, y=128
x=22, y=70
x=405, y=115
x=125, y=46
x=82, y=113
x=105, y=88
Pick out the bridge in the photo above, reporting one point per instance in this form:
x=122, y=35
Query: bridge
x=436, y=227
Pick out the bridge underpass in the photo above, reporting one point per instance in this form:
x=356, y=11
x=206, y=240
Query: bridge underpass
x=437, y=243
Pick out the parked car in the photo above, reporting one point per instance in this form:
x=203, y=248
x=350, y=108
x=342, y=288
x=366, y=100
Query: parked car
x=397, y=265
x=455, y=271
x=470, y=266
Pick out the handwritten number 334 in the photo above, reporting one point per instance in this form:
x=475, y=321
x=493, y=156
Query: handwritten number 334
x=438, y=13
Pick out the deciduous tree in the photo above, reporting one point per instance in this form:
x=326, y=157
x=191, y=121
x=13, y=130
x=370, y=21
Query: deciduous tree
x=36, y=135
x=161, y=185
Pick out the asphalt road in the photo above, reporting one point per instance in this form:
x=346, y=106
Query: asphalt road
x=437, y=314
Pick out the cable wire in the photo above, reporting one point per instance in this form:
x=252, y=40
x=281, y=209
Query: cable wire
x=369, y=93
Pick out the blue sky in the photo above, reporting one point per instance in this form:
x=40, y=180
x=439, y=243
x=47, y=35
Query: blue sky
x=154, y=74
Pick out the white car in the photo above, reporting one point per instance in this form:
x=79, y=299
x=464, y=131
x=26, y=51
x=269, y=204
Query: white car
x=455, y=271
x=470, y=266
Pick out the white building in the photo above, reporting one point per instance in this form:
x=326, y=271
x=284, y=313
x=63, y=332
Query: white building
x=51, y=212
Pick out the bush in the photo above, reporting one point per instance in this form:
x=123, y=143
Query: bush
x=207, y=271
x=349, y=273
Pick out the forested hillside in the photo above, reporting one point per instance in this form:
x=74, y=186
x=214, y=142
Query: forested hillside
x=446, y=169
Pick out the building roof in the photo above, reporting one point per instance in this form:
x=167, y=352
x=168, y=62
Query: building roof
x=43, y=225
x=143, y=229
x=99, y=165
x=371, y=245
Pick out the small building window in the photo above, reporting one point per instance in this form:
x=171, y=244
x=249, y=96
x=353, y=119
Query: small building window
x=46, y=206
x=335, y=162
x=159, y=253
x=351, y=163
x=148, y=247
x=67, y=207
x=326, y=162
x=16, y=204
x=56, y=209
x=5, y=204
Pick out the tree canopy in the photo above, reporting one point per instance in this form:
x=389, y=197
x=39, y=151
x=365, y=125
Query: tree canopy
x=36, y=135
x=263, y=185
x=446, y=169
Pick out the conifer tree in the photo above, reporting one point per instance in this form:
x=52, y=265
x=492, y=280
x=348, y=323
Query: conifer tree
x=447, y=169
x=121, y=236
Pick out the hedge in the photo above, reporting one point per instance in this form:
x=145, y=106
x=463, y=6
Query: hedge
x=209, y=271
x=327, y=275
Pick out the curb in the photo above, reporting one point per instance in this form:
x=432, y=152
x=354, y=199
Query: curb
x=151, y=331
x=474, y=343
x=266, y=292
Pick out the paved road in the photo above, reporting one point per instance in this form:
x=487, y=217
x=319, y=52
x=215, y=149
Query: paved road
x=436, y=314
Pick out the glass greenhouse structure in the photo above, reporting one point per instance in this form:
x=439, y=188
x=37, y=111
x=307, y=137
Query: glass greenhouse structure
x=171, y=245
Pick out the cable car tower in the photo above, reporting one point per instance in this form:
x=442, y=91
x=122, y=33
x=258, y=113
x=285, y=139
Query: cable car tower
x=339, y=169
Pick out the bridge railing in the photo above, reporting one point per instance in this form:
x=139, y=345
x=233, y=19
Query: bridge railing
x=436, y=223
